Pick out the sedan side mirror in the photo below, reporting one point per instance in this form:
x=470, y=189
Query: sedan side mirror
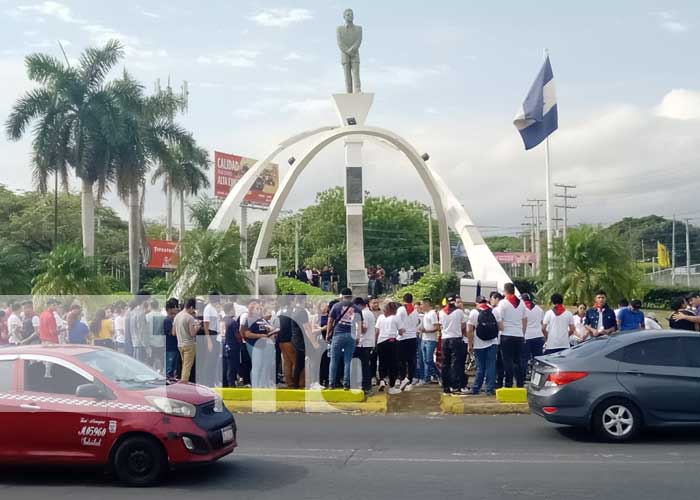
x=89, y=391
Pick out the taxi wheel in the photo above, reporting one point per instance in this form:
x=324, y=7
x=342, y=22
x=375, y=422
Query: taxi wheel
x=140, y=461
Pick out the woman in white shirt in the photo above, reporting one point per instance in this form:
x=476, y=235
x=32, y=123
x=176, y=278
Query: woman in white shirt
x=580, y=331
x=534, y=337
x=388, y=330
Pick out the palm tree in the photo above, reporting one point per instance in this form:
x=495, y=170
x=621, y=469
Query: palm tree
x=65, y=271
x=591, y=259
x=184, y=175
x=146, y=130
x=75, y=113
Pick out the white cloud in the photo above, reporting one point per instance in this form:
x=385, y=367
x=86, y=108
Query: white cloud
x=308, y=105
x=133, y=46
x=49, y=8
x=403, y=76
x=278, y=17
x=30, y=33
x=233, y=58
x=668, y=21
x=681, y=104
x=152, y=15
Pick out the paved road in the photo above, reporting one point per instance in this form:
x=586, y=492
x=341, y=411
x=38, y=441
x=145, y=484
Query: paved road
x=289, y=457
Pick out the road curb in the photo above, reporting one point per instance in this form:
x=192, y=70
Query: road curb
x=480, y=405
x=301, y=401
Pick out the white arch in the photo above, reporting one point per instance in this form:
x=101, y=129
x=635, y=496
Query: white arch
x=324, y=140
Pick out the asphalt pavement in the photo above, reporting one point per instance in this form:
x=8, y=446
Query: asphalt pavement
x=304, y=456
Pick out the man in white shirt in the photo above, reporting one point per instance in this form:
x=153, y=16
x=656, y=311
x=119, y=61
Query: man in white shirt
x=408, y=316
x=454, y=329
x=514, y=320
x=534, y=338
x=14, y=325
x=365, y=343
x=558, y=326
x=210, y=347
x=483, y=326
x=429, y=328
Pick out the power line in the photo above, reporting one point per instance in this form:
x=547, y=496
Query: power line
x=566, y=197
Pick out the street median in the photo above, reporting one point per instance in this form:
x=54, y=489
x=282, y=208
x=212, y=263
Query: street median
x=300, y=400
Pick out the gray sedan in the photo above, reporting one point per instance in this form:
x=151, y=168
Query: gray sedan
x=617, y=385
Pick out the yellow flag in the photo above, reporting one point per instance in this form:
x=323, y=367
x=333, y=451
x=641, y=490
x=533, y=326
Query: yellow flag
x=662, y=251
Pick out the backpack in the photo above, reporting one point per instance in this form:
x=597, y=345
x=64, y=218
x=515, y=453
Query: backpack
x=486, y=326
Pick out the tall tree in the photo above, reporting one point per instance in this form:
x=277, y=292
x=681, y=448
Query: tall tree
x=146, y=129
x=74, y=111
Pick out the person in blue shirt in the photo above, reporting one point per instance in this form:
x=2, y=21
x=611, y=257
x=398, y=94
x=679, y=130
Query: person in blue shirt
x=78, y=332
x=631, y=318
x=173, y=362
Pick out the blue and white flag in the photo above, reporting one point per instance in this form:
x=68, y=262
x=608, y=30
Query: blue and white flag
x=538, y=116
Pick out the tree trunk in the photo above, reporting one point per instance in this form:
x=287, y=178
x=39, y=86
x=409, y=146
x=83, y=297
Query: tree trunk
x=87, y=218
x=182, y=215
x=169, y=211
x=134, y=239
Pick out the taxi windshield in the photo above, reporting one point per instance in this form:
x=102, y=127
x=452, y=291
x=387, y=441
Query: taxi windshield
x=122, y=369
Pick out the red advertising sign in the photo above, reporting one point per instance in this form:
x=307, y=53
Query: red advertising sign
x=228, y=170
x=515, y=257
x=161, y=254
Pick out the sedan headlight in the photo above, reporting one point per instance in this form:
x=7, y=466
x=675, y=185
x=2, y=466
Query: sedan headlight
x=173, y=407
x=218, y=404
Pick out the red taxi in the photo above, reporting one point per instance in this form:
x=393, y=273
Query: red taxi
x=72, y=404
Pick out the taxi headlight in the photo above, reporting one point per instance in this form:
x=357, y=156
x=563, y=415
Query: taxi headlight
x=172, y=406
x=218, y=404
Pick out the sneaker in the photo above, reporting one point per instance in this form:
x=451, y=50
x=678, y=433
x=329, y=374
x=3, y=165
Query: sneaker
x=346, y=387
x=414, y=381
x=408, y=388
x=394, y=390
x=374, y=380
x=382, y=385
x=459, y=394
x=397, y=382
x=316, y=387
x=465, y=391
x=433, y=380
x=421, y=382
x=404, y=383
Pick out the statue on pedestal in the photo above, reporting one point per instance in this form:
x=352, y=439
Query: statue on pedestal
x=349, y=40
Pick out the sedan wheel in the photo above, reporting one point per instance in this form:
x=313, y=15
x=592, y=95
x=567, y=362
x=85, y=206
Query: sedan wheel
x=617, y=420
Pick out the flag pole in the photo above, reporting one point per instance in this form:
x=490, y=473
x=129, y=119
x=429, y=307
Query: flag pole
x=548, y=202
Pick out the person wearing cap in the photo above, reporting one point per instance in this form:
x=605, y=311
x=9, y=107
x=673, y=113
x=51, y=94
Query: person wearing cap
x=48, y=330
x=631, y=318
x=513, y=336
x=344, y=318
x=534, y=337
x=481, y=319
x=453, y=331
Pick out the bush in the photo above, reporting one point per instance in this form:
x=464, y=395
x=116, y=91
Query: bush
x=661, y=297
x=292, y=286
x=434, y=286
x=527, y=285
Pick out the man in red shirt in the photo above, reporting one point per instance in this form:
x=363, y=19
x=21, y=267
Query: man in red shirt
x=48, y=331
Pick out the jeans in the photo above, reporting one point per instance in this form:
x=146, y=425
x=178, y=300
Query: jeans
x=419, y=359
x=342, y=349
x=207, y=371
x=407, y=359
x=363, y=354
x=139, y=353
x=262, y=375
x=326, y=286
x=232, y=363
x=428, y=355
x=531, y=349
x=485, y=368
x=511, y=352
x=451, y=356
x=173, y=363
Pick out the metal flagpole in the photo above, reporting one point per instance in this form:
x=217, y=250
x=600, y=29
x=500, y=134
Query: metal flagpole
x=548, y=203
x=687, y=250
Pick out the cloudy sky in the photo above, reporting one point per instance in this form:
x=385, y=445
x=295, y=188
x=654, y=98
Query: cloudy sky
x=448, y=76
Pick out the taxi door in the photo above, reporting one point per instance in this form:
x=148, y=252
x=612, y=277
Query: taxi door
x=9, y=407
x=57, y=425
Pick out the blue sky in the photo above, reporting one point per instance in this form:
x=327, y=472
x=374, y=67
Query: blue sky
x=448, y=76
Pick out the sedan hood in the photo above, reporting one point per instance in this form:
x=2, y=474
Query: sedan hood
x=183, y=391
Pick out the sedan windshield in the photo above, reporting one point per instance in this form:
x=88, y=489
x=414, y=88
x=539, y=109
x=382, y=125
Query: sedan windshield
x=124, y=370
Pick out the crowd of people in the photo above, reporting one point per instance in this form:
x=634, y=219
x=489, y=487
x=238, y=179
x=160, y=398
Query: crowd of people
x=304, y=342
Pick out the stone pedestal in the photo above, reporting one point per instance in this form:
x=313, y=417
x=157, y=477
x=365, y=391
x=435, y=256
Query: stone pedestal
x=352, y=111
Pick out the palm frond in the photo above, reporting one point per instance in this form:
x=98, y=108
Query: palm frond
x=96, y=63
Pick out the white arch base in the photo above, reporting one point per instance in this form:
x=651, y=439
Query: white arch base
x=448, y=209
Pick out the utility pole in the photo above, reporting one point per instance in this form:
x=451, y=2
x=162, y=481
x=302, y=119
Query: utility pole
x=538, y=238
x=533, y=230
x=430, y=239
x=556, y=219
x=673, y=251
x=566, y=197
x=642, y=250
x=687, y=251
x=296, y=245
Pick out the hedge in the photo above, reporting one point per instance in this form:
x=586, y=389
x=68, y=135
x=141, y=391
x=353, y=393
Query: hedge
x=435, y=286
x=661, y=297
x=292, y=286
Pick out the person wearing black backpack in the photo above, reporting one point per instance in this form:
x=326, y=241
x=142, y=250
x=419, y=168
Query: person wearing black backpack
x=483, y=327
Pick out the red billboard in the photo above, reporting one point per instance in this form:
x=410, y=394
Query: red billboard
x=228, y=170
x=161, y=254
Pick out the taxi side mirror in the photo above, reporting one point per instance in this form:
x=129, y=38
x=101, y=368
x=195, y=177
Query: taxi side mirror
x=90, y=391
